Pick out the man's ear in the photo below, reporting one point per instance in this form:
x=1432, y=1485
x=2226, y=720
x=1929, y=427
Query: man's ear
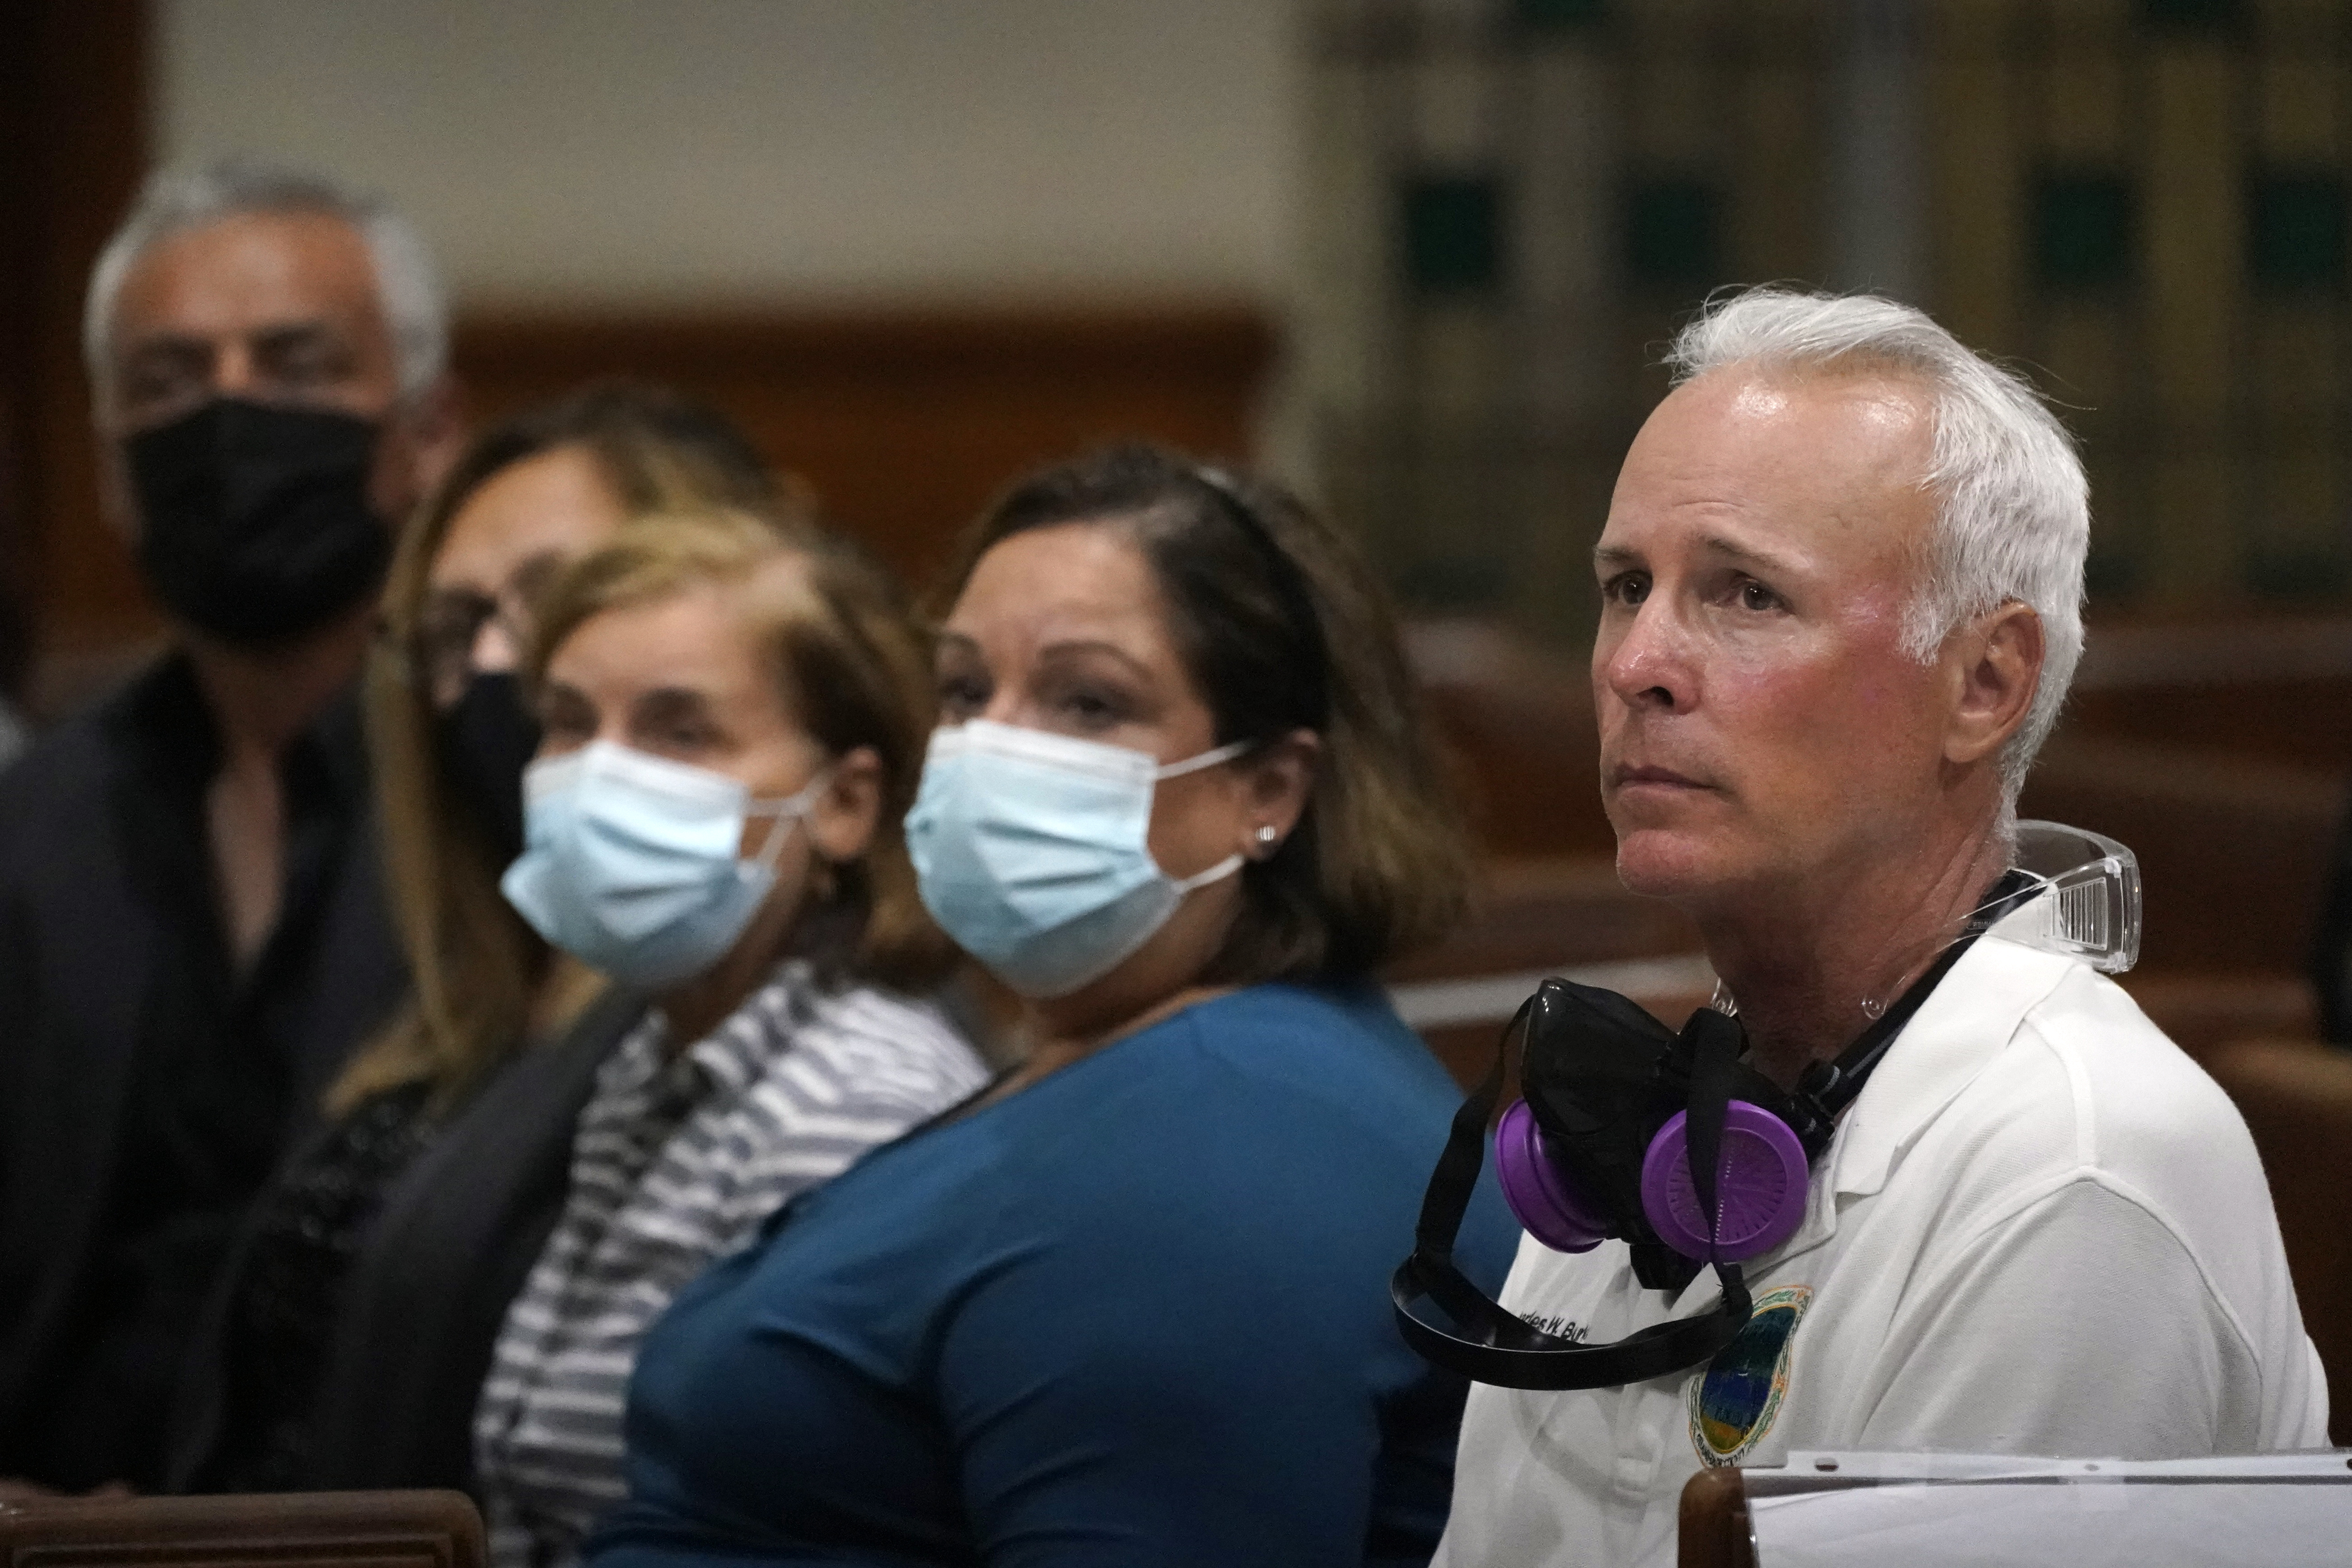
x=846, y=811
x=1997, y=669
x=427, y=433
x=115, y=501
x=440, y=429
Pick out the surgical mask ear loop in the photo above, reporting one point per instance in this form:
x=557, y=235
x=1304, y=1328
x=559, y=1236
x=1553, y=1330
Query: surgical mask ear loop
x=1216, y=873
x=783, y=814
x=1231, y=863
x=1224, y=753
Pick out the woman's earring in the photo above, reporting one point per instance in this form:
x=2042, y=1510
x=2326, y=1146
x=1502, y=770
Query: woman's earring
x=1266, y=838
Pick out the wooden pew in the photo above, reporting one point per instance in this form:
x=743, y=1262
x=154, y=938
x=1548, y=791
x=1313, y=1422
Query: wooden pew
x=304, y=1530
x=2297, y=1102
x=1711, y=1529
x=1951, y=1509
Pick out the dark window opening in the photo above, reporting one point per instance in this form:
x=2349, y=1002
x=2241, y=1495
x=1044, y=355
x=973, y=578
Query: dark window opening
x=1453, y=236
x=1674, y=234
x=2083, y=231
x=2296, y=231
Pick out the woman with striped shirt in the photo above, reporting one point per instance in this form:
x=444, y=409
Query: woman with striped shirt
x=733, y=726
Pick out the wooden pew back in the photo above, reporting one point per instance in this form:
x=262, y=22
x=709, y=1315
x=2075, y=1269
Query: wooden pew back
x=308, y=1529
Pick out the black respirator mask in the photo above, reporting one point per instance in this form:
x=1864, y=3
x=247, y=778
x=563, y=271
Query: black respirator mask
x=1675, y=1145
x=256, y=524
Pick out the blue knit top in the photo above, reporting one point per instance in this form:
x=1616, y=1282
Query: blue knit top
x=1134, y=1314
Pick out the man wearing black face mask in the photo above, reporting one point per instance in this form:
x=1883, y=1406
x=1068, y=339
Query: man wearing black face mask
x=191, y=936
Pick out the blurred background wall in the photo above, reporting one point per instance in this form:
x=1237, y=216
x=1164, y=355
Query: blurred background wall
x=609, y=152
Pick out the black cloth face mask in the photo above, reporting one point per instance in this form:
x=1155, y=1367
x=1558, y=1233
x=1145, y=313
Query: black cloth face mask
x=484, y=742
x=256, y=524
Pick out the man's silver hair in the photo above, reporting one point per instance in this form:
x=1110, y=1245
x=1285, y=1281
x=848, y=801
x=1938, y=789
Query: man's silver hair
x=176, y=201
x=2012, y=513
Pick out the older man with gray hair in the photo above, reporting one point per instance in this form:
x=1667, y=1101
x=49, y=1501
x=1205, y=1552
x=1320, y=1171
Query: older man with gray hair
x=1840, y=585
x=192, y=934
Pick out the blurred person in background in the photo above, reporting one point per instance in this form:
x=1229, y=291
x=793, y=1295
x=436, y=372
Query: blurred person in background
x=733, y=726
x=349, y=1337
x=192, y=932
x=1128, y=1305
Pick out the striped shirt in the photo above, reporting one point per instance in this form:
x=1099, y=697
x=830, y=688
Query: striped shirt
x=676, y=1161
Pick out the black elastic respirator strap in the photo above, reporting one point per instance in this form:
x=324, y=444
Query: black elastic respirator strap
x=1509, y=1350
x=1826, y=1089
x=1714, y=1074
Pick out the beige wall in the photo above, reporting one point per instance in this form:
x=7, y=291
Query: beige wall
x=654, y=152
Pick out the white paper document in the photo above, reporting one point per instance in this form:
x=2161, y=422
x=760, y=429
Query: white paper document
x=1866, y=1511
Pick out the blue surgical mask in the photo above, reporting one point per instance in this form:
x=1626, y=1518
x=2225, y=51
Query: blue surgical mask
x=1029, y=851
x=629, y=862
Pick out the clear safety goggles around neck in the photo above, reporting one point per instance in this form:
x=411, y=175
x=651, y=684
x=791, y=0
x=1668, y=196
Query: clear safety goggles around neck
x=2068, y=891
x=2085, y=902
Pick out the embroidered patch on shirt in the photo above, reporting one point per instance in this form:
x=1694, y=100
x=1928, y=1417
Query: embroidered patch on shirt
x=1733, y=1404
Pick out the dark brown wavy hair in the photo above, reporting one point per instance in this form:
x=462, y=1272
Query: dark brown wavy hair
x=1281, y=625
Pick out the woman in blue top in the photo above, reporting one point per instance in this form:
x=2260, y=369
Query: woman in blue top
x=1128, y=1306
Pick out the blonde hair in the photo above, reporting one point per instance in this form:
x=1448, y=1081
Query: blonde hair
x=848, y=664
x=482, y=982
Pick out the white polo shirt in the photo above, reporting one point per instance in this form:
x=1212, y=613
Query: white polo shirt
x=2041, y=1229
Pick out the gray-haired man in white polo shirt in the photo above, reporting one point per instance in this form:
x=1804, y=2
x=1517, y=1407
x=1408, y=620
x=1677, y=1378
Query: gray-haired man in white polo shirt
x=1841, y=586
